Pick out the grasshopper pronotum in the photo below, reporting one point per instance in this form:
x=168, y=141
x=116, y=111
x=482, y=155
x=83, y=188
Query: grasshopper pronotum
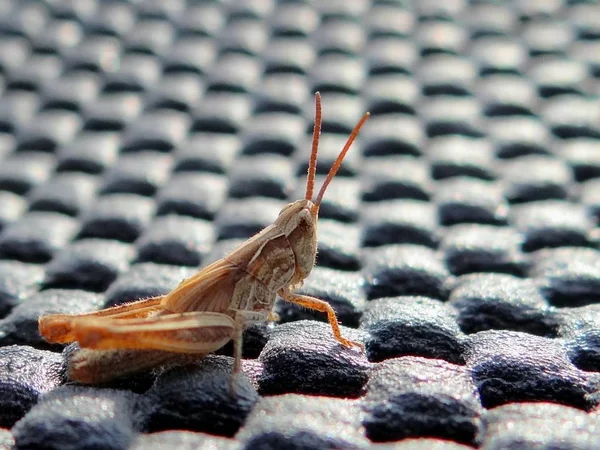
x=212, y=307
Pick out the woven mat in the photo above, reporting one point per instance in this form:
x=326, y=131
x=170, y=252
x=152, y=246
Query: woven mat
x=140, y=141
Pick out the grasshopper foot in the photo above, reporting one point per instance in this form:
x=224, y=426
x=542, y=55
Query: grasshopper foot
x=350, y=344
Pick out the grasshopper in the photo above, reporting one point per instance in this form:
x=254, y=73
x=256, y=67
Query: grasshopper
x=209, y=309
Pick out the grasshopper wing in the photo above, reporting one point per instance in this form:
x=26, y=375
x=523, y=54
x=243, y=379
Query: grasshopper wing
x=208, y=291
x=247, y=277
x=58, y=328
x=211, y=289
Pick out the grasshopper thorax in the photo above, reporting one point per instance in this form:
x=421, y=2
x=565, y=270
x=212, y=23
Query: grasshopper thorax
x=298, y=221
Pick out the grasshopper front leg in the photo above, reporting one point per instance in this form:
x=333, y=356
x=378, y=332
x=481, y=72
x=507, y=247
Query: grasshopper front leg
x=320, y=305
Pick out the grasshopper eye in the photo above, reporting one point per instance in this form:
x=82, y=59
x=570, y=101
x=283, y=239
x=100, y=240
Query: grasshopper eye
x=285, y=208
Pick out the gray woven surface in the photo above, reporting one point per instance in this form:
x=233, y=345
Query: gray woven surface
x=140, y=141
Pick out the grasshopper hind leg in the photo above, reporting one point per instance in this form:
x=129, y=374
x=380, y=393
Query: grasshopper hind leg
x=195, y=333
x=112, y=348
x=103, y=366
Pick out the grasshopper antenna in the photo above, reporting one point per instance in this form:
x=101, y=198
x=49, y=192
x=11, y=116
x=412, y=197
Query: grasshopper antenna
x=312, y=165
x=338, y=161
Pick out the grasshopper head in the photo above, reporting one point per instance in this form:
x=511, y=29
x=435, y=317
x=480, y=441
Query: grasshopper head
x=298, y=220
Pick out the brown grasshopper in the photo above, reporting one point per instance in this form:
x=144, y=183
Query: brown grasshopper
x=209, y=309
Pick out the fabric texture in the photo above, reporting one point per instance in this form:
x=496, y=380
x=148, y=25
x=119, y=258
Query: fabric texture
x=143, y=140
